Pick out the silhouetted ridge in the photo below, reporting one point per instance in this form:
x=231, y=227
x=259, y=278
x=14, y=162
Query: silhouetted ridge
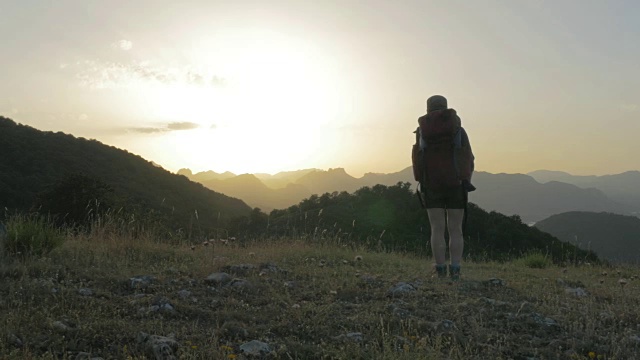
x=32, y=161
x=613, y=237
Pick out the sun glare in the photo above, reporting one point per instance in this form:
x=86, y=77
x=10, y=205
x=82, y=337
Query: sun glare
x=277, y=95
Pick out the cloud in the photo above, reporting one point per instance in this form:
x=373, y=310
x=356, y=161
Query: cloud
x=147, y=130
x=174, y=126
x=83, y=117
x=125, y=45
x=182, y=126
x=629, y=107
x=113, y=75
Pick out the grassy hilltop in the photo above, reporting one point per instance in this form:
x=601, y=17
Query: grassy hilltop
x=107, y=295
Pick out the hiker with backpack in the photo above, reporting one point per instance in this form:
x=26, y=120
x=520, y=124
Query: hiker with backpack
x=443, y=164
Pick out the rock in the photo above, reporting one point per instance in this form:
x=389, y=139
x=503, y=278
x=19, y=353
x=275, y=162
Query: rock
x=184, y=293
x=401, y=289
x=63, y=326
x=255, y=348
x=158, y=347
x=218, y=279
x=241, y=284
x=578, y=292
x=240, y=269
x=496, y=282
x=352, y=336
x=270, y=267
x=543, y=320
x=141, y=282
x=85, y=292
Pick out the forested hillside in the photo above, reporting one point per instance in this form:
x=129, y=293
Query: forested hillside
x=391, y=218
x=62, y=174
x=613, y=237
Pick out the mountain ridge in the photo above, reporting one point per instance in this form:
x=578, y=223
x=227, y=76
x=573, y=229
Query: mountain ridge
x=510, y=194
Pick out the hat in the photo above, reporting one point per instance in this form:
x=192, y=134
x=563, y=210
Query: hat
x=436, y=102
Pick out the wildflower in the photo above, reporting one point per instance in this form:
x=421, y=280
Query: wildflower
x=226, y=348
x=194, y=347
x=592, y=355
x=232, y=356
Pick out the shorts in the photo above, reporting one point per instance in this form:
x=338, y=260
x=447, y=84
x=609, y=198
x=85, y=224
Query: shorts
x=447, y=199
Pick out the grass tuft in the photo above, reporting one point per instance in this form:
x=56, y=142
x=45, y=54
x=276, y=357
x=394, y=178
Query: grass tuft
x=31, y=236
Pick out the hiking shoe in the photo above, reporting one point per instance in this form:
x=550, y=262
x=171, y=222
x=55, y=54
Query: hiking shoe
x=454, y=272
x=441, y=271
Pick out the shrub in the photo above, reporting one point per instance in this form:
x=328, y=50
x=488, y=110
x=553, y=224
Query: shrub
x=535, y=260
x=31, y=235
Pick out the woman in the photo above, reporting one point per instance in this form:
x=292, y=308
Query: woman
x=445, y=179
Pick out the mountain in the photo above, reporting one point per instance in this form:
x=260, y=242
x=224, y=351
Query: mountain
x=510, y=194
x=205, y=175
x=320, y=182
x=623, y=188
x=612, y=237
x=522, y=195
x=284, y=178
x=34, y=163
x=255, y=193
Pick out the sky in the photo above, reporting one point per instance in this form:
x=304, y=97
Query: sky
x=277, y=85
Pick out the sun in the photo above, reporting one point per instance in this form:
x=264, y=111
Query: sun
x=278, y=96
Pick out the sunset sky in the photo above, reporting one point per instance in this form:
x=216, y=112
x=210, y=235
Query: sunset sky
x=268, y=86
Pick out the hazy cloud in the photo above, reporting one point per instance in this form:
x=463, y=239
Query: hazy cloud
x=125, y=45
x=629, y=107
x=147, y=130
x=175, y=126
x=83, y=117
x=110, y=75
x=182, y=126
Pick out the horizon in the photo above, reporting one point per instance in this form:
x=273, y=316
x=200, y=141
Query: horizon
x=255, y=87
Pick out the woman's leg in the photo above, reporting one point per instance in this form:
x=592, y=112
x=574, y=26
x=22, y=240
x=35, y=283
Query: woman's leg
x=456, y=239
x=437, y=222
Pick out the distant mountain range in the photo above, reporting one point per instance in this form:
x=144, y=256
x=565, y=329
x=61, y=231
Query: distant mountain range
x=623, y=188
x=509, y=194
x=612, y=237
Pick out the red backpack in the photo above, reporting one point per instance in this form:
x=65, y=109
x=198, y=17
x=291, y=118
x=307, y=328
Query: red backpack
x=441, y=156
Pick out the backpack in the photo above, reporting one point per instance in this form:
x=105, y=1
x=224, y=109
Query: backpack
x=441, y=156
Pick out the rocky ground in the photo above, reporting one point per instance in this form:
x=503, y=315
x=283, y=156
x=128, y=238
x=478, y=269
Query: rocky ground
x=293, y=300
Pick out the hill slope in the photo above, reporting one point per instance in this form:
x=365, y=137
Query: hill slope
x=33, y=161
x=305, y=301
x=623, y=188
x=613, y=237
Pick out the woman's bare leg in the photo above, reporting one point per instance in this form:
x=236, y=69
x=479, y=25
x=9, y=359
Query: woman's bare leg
x=437, y=222
x=456, y=239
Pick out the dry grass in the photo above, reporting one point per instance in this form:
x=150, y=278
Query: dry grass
x=320, y=293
